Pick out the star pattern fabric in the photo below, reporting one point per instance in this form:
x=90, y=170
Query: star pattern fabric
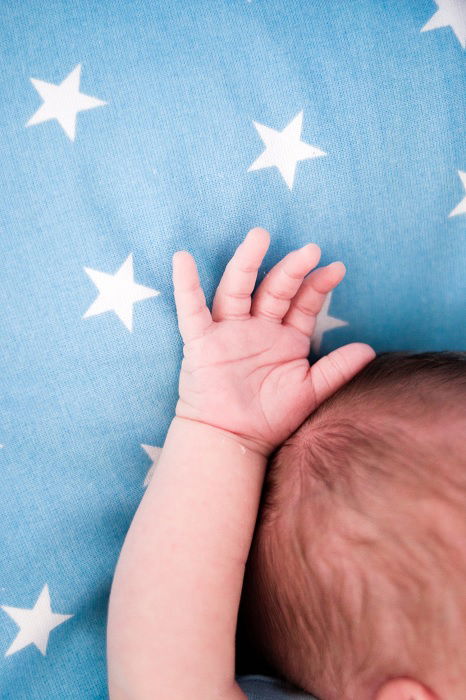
x=340, y=124
x=35, y=624
x=63, y=102
x=450, y=13
x=118, y=292
x=284, y=149
x=154, y=453
x=324, y=323
x=461, y=207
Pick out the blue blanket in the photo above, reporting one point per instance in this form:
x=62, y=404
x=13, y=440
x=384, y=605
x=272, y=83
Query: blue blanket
x=130, y=130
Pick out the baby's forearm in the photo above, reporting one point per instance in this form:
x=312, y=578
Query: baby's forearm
x=176, y=590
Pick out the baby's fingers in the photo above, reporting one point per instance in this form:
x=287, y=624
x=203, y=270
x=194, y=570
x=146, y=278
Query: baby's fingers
x=193, y=315
x=309, y=298
x=334, y=370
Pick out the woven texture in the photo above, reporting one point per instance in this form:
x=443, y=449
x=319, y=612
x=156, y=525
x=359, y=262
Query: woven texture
x=130, y=130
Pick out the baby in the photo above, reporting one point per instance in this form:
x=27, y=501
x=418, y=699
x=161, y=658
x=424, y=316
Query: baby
x=353, y=589
x=357, y=570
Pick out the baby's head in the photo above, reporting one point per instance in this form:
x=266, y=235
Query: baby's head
x=357, y=570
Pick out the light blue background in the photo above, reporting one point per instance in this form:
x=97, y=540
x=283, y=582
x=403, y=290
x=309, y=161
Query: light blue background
x=162, y=167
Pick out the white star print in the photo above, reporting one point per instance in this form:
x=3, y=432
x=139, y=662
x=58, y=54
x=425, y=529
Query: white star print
x=461, y=208
x=451, y=13
x=36, y=623
x=154, y=454
x=63, y=102
x=324, y=323
x=284, y=149
x=118, y=292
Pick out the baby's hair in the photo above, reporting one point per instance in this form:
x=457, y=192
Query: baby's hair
x=358, y=558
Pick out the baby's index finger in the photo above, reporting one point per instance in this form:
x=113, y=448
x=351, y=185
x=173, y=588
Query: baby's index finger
x=193, y=315
x=178, y=254
x=233, y=296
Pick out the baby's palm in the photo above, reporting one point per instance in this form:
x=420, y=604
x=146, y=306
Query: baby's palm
x=245, y=366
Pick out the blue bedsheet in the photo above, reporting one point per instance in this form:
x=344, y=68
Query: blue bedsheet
x=130, y=130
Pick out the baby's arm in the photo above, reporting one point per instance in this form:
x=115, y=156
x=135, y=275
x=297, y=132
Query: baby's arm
x=245, y=386
x=176, y=591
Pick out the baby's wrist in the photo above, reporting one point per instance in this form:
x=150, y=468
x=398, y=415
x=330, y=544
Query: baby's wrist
x=244, y=442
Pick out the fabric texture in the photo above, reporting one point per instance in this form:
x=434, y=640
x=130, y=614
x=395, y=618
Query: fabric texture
x=259, y=687
x=130, y=130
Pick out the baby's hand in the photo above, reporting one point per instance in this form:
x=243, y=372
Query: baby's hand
x=245, y=366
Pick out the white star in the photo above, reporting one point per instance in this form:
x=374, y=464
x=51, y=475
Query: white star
x=461, y=208
x=36, y=623
x=62, y=102
x=451, y=13
x=284, y=149
x=118, y=292
x=154, y=454
x=324, y=323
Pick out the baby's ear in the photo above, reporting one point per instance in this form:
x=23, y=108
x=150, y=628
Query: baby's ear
x=404, y=689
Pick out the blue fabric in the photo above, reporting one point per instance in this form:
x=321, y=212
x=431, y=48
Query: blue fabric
x=259, y=687
x=169, y=155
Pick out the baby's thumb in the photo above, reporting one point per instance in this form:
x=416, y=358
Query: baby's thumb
x=334, y=370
